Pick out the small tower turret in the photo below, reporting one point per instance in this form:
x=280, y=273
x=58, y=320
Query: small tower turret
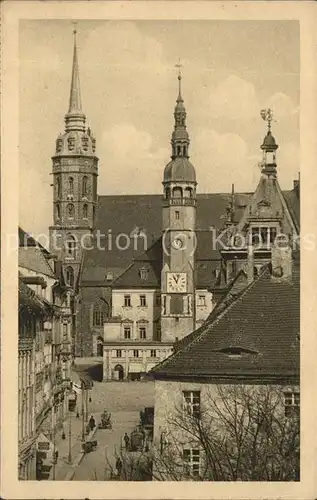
x=269, y=146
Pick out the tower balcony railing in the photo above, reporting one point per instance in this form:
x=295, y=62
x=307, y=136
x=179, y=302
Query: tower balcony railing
x=180, y=202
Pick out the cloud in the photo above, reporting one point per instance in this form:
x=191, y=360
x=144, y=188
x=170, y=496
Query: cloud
x=136, y=165
x=221, y=159
x=234, y=98
x=282, y=106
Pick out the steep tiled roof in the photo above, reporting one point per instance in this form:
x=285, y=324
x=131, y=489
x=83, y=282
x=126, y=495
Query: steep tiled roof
x=123, y=214
x=32, y=258
x=262, y=324
x=26, y=240
x=28, y=299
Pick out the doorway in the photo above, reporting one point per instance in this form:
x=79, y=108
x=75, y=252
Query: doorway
x=118, y=372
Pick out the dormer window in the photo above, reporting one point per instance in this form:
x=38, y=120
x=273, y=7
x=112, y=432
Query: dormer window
x=144, y=274
x=109, y=276
x=236, y=351
x=263, y=236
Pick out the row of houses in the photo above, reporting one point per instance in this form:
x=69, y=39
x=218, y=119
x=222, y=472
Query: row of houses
x=45, y=356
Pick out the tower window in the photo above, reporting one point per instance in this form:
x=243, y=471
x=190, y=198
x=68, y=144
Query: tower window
x=85, y=211
x=71, y=185
x=85, y=143
x=93, y=214
x=59, y=145
x=85, y=186
x=58, y=188
x=98, y=317
x=188, y=193
x=167, y=193
x=177, y=215
x=179, y=150
x=177, y=192
x=71, y=143
x=70, y=276
x=70, y=210
x=58, y=212
x=71, y=246
x=184, y=150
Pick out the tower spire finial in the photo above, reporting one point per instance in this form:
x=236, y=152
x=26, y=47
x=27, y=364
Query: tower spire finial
x=179, y=66
x=75, y=118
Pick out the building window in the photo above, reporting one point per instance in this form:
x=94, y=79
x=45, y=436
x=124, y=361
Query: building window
x=98, y=317
x=144, y=274
x=58, y=212
x=191, y=459
x=135, y=353
x=291, y=403
x=263, y=236
x=142, y=332
x=177, y=192
x=127, y=301
x=109, y=276
x=127, y=332
x=70, y=185
x=143, y=300
x=69, y=276
x=201, y=300
x=85, y=186
x=70, y=210
x=85, y=211
x=153, y=353
x=71, y=246
x=119, y=353
x=58, y=188
x=191, y=401
x=177, y=215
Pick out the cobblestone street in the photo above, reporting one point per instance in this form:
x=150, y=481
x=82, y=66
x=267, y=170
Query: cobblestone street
x=124, y=400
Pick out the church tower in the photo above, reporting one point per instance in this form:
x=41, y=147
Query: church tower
x=75, y=171
x=178, y=239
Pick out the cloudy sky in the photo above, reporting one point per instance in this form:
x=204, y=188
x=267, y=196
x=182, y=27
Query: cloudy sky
x=231, y=70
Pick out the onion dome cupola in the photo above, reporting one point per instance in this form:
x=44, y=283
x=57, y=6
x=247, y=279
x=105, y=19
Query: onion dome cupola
x=180, y=169
x=77, y=138
x=269, y=146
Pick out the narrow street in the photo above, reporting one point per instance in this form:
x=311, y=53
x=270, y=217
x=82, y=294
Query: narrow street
x=123, y=400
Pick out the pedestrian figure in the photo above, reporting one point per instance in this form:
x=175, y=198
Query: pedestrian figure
x=92, y=423
x=126, y=441
x=119, y=466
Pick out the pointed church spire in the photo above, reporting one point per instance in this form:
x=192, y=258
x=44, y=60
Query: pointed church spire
x=180, y=138
x=75, y=118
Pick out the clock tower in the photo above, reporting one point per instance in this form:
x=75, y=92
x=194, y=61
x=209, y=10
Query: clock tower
x=178, y=238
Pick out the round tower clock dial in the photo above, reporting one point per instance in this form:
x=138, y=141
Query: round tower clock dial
x=176, y=283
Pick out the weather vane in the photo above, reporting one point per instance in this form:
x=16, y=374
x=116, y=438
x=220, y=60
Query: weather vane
x=267, y=116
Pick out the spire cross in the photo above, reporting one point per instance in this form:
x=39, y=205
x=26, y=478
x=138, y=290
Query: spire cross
x=179, y=66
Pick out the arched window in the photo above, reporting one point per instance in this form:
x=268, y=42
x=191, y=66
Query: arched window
x=167, y=193
x=85, y=185
x=58, y=188
x=177, y=192
x=100, y=312
x=85, y=211
x=93, y=214
x=71, y=185
x=58, y=212
x=70, y=276
x=179, y=149
x=71, y=246
x=188, y=193
x=184, y=150
x=70, y=210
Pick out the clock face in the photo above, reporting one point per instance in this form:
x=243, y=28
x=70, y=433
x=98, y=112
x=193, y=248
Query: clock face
x=176, y=283
x=177, y=244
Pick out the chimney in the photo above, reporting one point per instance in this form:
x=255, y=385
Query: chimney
x=281, y=260
x=250, y=264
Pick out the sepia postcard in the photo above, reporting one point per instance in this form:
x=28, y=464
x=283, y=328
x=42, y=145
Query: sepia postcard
x=158, y=240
